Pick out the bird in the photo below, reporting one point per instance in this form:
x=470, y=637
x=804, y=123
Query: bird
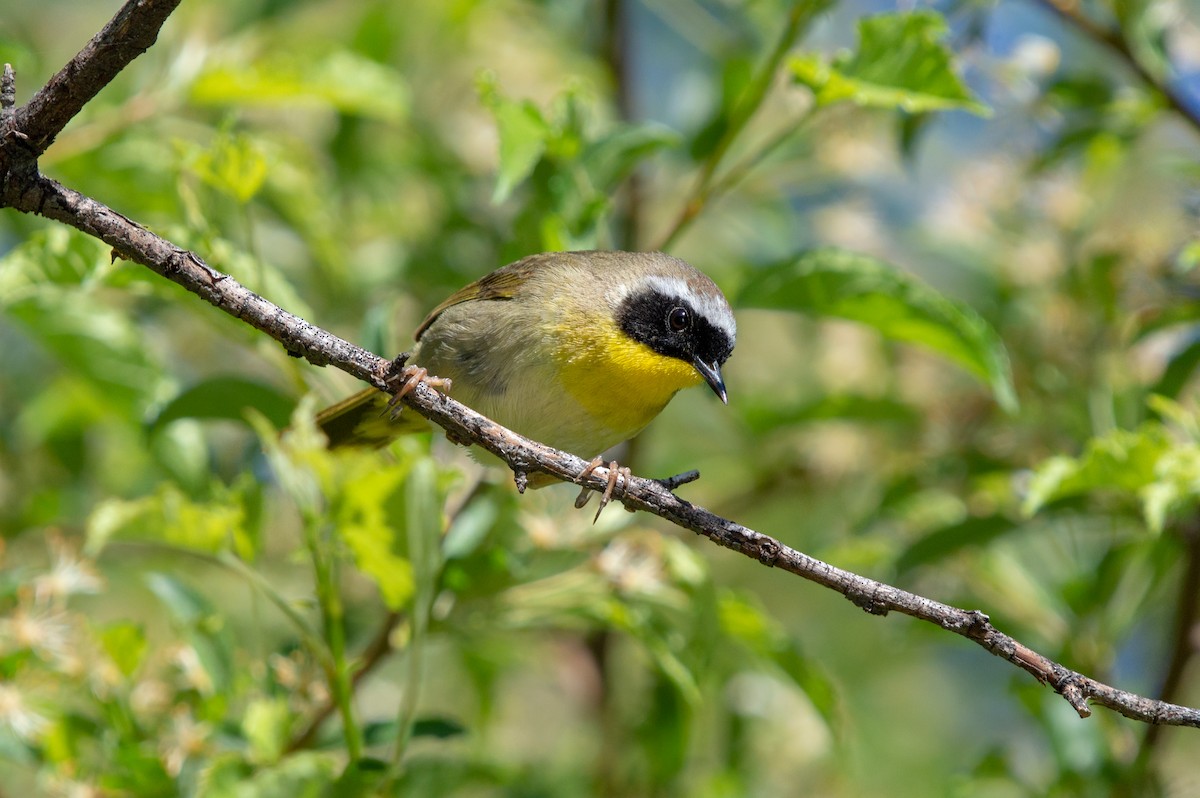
x=576, y=350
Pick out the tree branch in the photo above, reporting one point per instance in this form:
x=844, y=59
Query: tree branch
x=126, y=36
x=24, y=189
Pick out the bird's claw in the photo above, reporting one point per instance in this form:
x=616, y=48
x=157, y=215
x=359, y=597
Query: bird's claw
x=615, y=473
x=409, y=378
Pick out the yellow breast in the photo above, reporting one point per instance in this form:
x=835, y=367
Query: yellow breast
x=622, y=384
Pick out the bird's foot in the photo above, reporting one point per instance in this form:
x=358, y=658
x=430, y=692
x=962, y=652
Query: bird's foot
x=615, y=472
x=408, y=378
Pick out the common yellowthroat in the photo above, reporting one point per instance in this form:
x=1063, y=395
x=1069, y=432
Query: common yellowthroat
x=578, y=350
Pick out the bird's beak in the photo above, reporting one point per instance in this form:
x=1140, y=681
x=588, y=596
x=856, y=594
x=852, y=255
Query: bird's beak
x=711, y=372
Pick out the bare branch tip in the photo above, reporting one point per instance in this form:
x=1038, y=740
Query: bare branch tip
x=671, y=483
x=8, y=88
x=1075, y=697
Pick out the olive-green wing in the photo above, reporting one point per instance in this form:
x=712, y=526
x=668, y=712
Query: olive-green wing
x=364, y=419
x=504, y=283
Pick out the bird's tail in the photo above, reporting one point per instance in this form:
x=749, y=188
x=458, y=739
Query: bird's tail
x=365, y=420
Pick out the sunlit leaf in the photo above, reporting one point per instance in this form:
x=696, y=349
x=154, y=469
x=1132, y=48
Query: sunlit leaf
x=300, y=460
x=235, y=165
x=342, y=81
x=523, y=133
x=302, y=774
x=170, y=516
x=266, y=723
x=1148, y=464
x=900, y=63
x=831, y=282
x=373, y=537
x=1121, y=460
x=125, y=643
x=1176, y=485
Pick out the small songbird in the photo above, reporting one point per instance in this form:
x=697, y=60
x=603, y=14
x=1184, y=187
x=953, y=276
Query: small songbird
x=577, y=350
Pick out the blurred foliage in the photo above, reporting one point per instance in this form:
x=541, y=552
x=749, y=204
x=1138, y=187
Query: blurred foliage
x=961, y=240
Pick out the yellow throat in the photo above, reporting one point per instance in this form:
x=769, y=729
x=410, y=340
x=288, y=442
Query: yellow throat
x=621, y=383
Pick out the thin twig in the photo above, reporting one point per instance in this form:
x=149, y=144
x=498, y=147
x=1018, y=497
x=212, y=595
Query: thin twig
x=380, y=645
x=370, y=658
x=800, y=15
x=1114, y=39
x=741, y=170
x=23, y=189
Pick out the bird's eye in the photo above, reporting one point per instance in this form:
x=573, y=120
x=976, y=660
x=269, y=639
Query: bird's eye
x=678, y=319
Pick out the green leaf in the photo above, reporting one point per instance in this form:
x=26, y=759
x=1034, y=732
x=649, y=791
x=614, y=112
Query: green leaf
x=56, y=254
x=125, y=643
x=169, y=515
x=204, y=630
x=763, y=418
x=832, y=282
x=303, y=774
x=265, y=725
x=1148, y=464
x=423, y=530
x=372, y=536
x=1121, y=460
x=613, y=156
x=900, y=63
x=227, y=398
x=469, y=529
x=1176, y=486
x=1179, y=371
x=360, y=779
x=186, y=606
x=135, y=770
x=341, y=81
x=387, y=731
x=943, y=542
x=737, y=73
x=523, y=135
x=91, y=339
x=235, y=165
